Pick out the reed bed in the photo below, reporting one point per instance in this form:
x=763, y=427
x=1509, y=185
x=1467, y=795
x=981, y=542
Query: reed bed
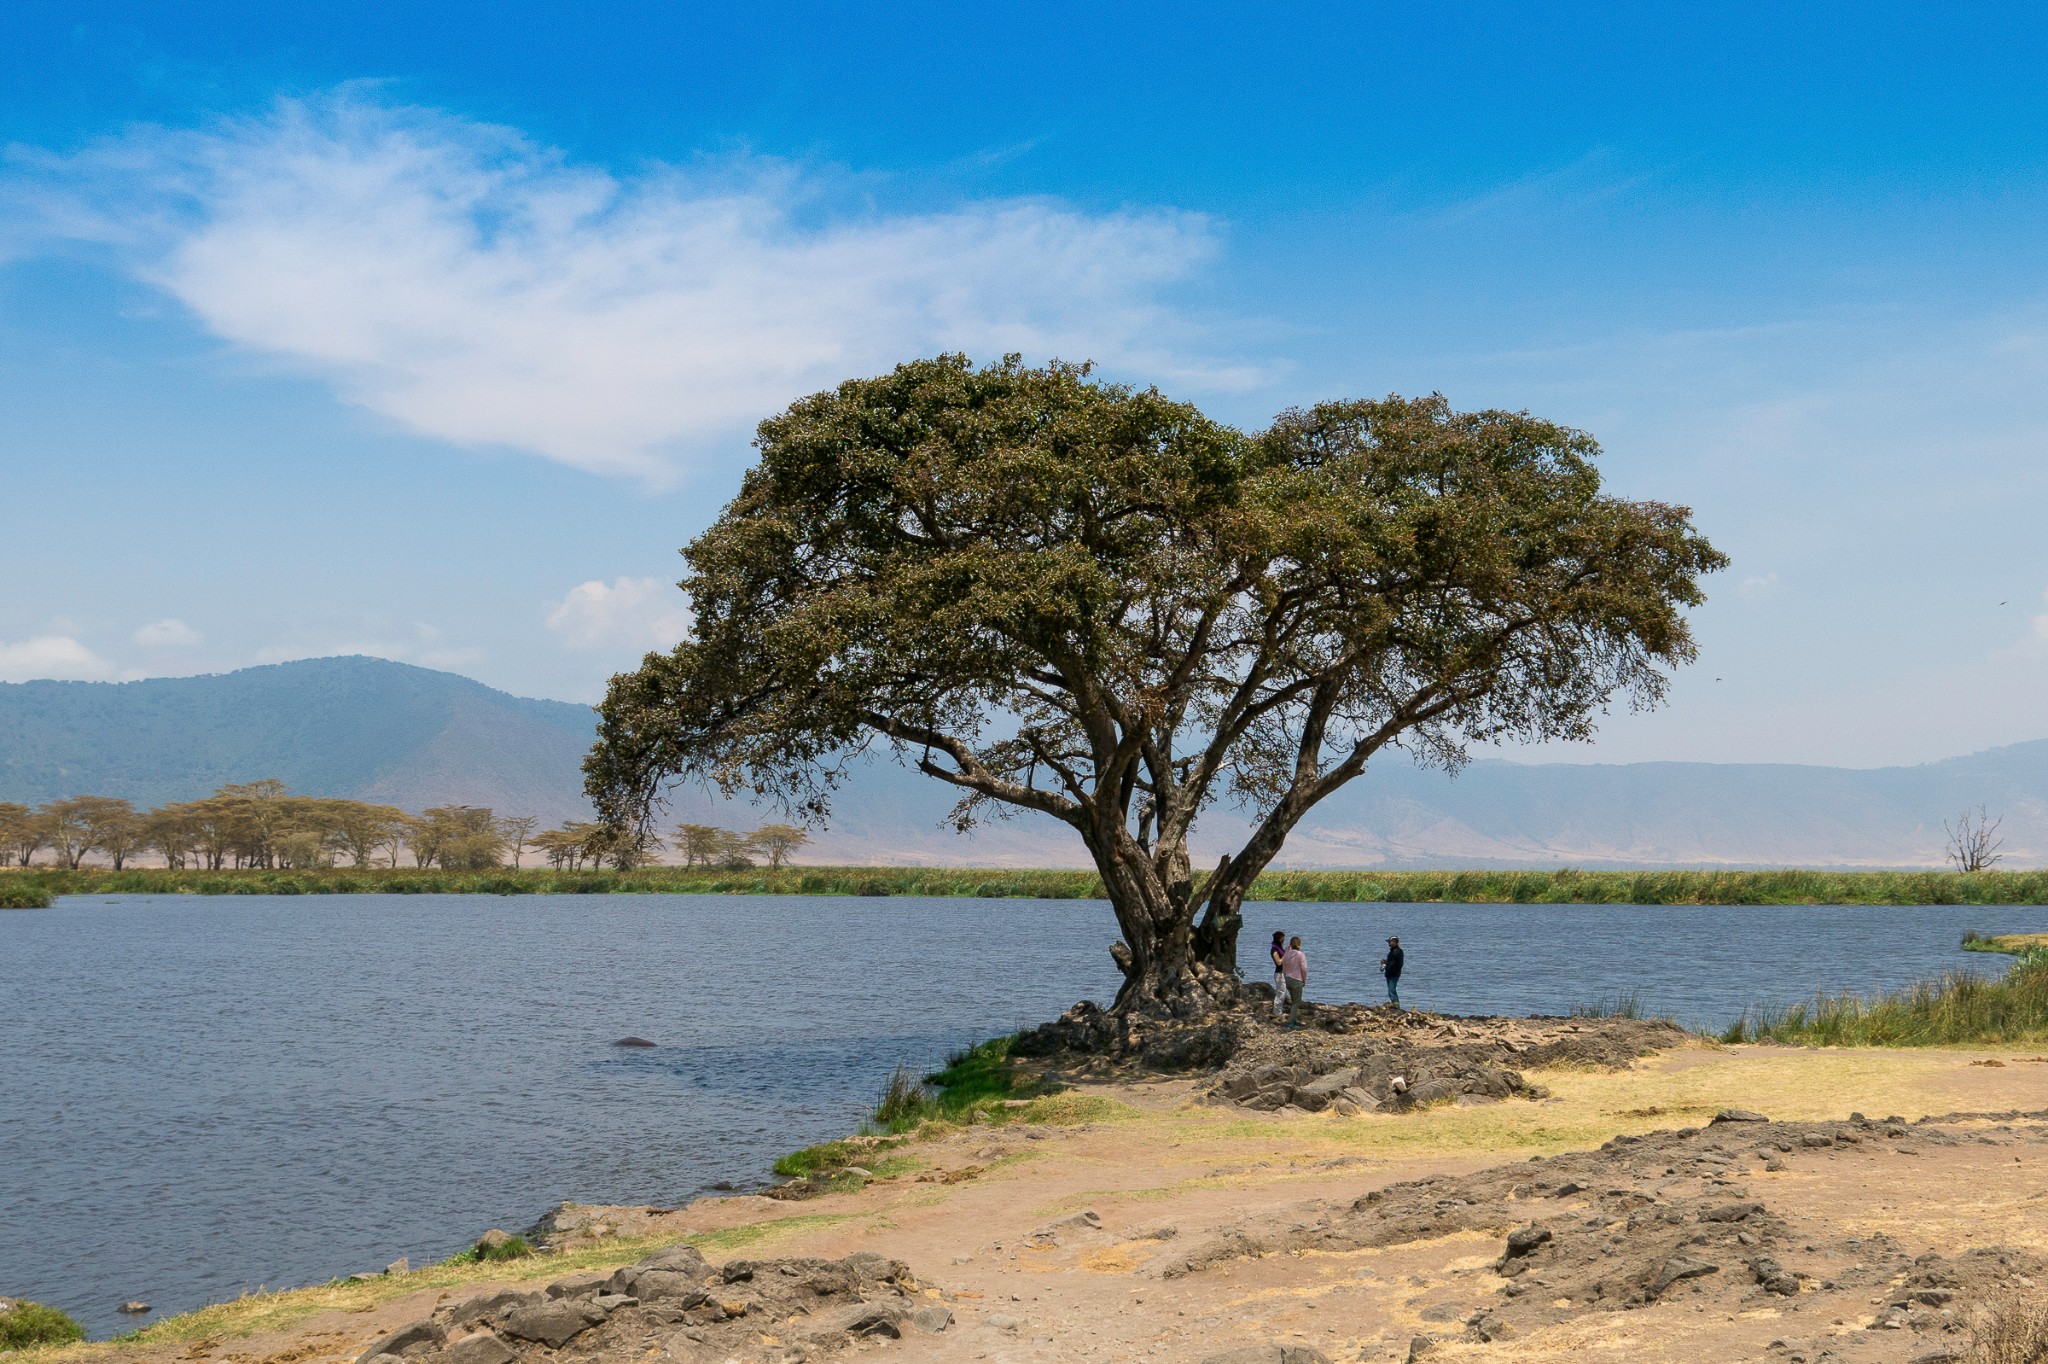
x=1956, y=1008
x=1567, y=886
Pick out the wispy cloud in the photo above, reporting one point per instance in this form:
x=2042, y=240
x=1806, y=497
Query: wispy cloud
x=637, y=613
x=56, y=657
x=168, y=633
x=473, y=286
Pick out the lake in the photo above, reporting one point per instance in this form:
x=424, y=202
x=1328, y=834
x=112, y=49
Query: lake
x=199, y=1096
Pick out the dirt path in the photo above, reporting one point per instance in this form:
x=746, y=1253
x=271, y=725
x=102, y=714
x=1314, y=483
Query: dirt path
x=1151, y=1226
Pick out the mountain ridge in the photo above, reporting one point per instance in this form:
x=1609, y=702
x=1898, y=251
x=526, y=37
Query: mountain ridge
x=372, y=729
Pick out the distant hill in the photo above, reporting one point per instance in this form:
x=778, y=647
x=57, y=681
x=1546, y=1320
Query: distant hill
x=359, y=727
x=376, y=730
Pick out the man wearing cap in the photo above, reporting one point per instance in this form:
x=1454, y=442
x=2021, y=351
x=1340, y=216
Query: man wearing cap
x=1390, y=967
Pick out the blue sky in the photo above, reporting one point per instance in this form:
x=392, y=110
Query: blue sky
x=434, y=331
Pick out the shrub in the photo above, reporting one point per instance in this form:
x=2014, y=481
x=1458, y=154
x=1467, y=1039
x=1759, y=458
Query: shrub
x=2014, y=1332
x=17, y=892
x=24, y=1324
x=511, y=1248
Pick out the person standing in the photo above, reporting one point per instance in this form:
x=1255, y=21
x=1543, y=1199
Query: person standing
x=1390, y=967
x=1279, y=952
x=1294, y=968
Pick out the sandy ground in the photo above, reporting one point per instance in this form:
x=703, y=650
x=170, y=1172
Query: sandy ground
x=1220, y=1228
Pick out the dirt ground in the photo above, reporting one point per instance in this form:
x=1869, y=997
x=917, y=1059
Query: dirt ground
x=1855, y=1205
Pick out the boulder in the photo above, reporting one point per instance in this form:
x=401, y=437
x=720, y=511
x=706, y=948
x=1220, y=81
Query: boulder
x=1737, y=1115
x=554, y=1323
x=134, y=1307
x=1677, y=1268
x=587, y=1284
x=933, y=1318
x=492, y=1240
x=401, y=1265
x=483, y=1348
x=860, y=1319
x=1525, y=1241
x=471, y=1310
x=415, y=1337
x=632, y=1042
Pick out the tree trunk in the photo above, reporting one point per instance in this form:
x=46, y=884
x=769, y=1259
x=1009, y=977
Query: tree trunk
x=1170, y=970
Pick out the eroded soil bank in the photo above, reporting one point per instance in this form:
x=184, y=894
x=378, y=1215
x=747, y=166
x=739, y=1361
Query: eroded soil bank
x=1846, y=1205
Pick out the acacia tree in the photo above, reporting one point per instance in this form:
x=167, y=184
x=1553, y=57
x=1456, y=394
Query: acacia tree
x=778, y=841
x=1092, y=602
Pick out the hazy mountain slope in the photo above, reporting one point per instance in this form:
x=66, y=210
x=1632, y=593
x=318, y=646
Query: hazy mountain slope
x=360, y=727
x=385, y=731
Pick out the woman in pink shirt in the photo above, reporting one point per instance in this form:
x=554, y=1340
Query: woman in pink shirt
x=1294, y=967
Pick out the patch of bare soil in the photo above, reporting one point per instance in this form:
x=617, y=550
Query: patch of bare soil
x=1670, y=1216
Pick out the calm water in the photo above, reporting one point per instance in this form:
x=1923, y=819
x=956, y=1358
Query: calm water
x=203, y=1095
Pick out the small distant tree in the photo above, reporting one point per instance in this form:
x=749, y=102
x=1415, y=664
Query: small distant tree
x=1973, y=840
x=458, y=837
x=83, y=823
x=123, y=836
x=517, y=833
x=777, y=841
x=359, y=829
x=16, y=823
x=168, y=829
x=700, y=844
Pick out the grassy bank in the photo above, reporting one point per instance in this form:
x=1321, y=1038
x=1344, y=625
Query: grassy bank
x=24, y=892
x=1958, y=1008
x=1405, y=887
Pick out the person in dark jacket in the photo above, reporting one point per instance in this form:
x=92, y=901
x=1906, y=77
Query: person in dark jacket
x=1390, y=967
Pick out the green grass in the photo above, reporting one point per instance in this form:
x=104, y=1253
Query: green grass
x=24, y=892
x=1957, y=1008
x=1405, y=887
x=511, y=1248
x=30, y=1324
x=980, y=1080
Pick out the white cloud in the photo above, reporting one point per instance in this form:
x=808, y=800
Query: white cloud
x=475, y=287
x=168, y=633
x=56, y=657
x=1757, y=588
x=641, y=613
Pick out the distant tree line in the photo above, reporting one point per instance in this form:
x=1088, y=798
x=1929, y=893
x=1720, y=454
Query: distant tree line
x=262, y=824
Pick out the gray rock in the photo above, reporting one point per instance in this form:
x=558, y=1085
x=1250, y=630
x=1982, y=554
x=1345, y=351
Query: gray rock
x=415, y=1337
x=484, y=1305
x=492, y=1239
x=933, y=1318
x=1418, y=1346
x=1002, y=1322
x=862, y=1319
x=1269, y=1354
x=401, y=1265
x=554, y=1323
x=483, y=1348
x=1737, y=1115
x=1525, y=1241
x=632, y=1042
x=1677, y=1268
x=587, y=1284
x=1326, y=1087
x=1772, y=1278
x=134, y=1307
x=1732, y=1212
x=677, y=1260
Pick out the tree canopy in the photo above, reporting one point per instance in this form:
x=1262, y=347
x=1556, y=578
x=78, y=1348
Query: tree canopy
x=1093, y=602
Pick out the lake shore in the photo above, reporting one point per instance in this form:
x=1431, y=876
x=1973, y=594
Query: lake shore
x=1867, y=1202
x=37, y=886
